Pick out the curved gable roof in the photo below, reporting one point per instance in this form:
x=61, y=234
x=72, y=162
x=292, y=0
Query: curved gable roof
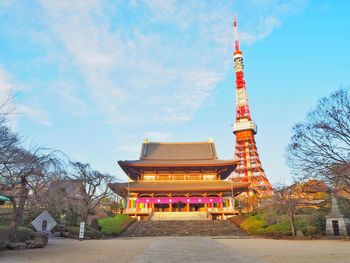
x=178, y=151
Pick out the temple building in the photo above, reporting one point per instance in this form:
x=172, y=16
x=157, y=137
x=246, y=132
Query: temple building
x=179, y=177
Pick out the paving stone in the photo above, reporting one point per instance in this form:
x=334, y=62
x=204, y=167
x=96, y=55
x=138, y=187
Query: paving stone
x=190, y=249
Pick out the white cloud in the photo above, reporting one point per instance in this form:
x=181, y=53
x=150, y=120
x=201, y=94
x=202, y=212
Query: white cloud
x=35, y=114
x=268, y=24
x=128, y=67
x=71, y=101
x=7, y=89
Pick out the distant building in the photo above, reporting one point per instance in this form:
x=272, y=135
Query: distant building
x=73, y=189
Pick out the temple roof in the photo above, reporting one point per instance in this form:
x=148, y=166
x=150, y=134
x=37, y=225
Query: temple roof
x=178, y=151
x=178, y=186
x=178, y=155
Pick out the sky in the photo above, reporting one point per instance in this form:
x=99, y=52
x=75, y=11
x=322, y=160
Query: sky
x=95, y=78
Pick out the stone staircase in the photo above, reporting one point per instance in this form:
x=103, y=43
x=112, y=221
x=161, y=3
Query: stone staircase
x=174, y=216
x=182, y=228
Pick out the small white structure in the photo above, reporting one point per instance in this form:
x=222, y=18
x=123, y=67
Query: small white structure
x=44, y=222
x=336, y=223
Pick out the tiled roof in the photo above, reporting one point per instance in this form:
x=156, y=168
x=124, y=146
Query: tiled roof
x=179, y=186
x=178, y=151
x=178, y=156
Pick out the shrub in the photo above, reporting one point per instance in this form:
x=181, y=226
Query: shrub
x=311, y=230
x=319, y=221
x=22, y=234
x=95, y=224
x=112, y=226
x=302, y=223
x=277, y=230
x=254, y=225
x=90, y=233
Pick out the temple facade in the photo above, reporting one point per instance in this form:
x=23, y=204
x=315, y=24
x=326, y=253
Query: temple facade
x=179, y=177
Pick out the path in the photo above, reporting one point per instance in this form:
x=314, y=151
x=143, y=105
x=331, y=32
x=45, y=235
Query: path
x=184, y=249
x=190, y=249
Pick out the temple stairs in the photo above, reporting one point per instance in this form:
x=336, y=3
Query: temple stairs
x=183, y=228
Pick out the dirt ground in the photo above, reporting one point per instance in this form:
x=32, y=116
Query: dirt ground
x=184, y=249
x=306, y=251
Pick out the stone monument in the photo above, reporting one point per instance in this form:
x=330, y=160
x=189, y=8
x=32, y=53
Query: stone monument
x=44, y=222
x=336, y=223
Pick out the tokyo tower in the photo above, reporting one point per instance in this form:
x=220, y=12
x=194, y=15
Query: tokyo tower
x=249, y=168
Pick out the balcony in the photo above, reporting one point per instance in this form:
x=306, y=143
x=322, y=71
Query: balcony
x=245, y=125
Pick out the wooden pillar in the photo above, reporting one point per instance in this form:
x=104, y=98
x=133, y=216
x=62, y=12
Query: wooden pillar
x=205, y=203
x=170, y=204
x=152, y=205
x=187, y=203
x=136, y=206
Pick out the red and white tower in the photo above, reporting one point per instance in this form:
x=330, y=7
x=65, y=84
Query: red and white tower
x=249, y=168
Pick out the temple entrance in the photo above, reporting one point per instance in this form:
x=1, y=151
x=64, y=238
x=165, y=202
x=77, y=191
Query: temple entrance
x=161, y=207
x=179, y=207
x=196, y=207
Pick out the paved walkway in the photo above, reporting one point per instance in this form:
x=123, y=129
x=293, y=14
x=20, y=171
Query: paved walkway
x=184, y=249
x=190, y=249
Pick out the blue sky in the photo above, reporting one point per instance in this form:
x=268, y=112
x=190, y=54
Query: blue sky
x=94, y=78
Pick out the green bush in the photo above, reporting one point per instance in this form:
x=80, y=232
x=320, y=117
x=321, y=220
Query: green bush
x=95, y=224
x=302, y=223
x=90, y=233
x=112, y=226
x=310, y=225
x=319, y=221
x=254, y=225
x=22, y=234
x=279, y=229
x=311, y=230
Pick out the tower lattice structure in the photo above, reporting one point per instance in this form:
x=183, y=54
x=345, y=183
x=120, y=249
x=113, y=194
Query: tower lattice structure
x=249, y=168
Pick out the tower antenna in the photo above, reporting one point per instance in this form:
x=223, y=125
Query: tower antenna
x=235, y=33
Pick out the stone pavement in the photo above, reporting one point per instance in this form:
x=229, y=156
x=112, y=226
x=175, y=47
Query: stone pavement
x=184, y=249
x=190, y=249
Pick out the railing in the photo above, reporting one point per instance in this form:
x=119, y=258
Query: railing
x=150, y=211
x=136, y=210
x=223, y=209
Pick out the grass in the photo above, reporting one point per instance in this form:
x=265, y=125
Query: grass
x=112, y=226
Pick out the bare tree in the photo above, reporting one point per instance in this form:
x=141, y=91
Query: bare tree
x=20, y=169
x=95, y=184
x=320, y=146
x=6, y=108
x=286, y=202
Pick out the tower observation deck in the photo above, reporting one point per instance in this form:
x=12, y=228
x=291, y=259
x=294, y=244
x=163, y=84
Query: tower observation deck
x=249, y=168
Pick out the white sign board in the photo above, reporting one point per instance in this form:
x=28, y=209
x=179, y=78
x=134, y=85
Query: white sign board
x=44, y=222
x=82, y=229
